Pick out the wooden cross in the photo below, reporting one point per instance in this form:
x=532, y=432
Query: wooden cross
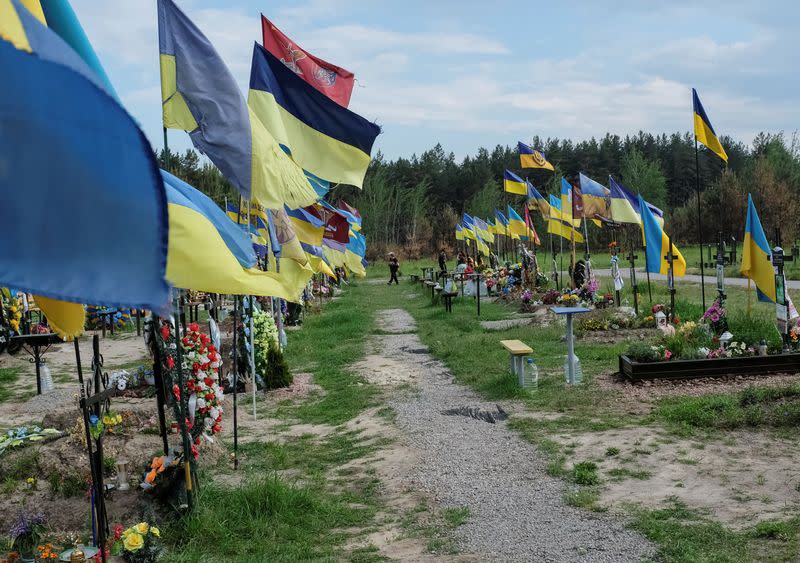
x=631, y=257
x=670, y=258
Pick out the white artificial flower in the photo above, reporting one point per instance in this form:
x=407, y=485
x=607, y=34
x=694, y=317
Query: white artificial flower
x=201, y=403
x=214, y=413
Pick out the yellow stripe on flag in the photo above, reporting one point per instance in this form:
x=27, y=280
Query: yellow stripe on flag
x=194, y=243
x=65, y=319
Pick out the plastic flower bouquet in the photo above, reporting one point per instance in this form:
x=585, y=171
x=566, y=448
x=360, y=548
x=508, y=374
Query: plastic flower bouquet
x=137, y=544
x=26, y=533
x=715, y=316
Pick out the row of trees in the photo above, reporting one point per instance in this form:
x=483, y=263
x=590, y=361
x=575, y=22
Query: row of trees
x=412, y=204
x=661, y=168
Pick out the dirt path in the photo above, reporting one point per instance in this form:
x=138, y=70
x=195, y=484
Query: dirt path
x=516, y=511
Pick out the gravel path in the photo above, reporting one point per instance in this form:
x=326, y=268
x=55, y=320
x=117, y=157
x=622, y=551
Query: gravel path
x=517, y=512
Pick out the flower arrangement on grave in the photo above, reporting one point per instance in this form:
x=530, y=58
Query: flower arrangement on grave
x=551, y=297
x=794, y=336
x=161, y=469
x=569, y=300
x=26, y=533
x=733, y=350
x=201, y=362
x=526, y=296
x=13, y=312
x=716, y=317
x=541, y=279
x=140, y=543
x=46, y=552
x=112, y=421
x=24, y=435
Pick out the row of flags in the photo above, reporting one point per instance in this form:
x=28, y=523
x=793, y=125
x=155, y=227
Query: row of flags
x=616, y=204
x=282, y=148
x=102, y=223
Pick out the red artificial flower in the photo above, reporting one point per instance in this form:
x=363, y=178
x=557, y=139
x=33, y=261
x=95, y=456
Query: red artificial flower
x=208, y=381
x=185, y=341
x=176, y=391
x=216, y=428
x=209, y=396
x=194, y=327
x=195, y=453
x=197, y=440
x=170, y=362
x=189, y=424
x=164, y=332
x=118, y=531
x=195, y=366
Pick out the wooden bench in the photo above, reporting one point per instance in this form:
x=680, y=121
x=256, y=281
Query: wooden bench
x=517, y=350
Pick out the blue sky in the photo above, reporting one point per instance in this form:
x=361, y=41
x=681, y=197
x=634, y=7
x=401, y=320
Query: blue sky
x=477, y=73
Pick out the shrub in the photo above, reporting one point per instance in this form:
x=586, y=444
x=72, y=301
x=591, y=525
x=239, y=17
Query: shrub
x=611, y=452
x=277, y=370
x=752, y=329
x=585, y=473
x=642, y=352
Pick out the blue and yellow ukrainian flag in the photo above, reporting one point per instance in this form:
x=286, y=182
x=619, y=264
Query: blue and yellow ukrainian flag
x=459, y=232
x=657, y=245
x=354, y=254
x=703, y=131
x=481, y=228
x=501, y=226
x=536, y=199
x=195, y=222
x=469, y=233
x=514, y=184
x=757, y=256
x=516, y=225
x=557, y=225
x=100, y=176
x=596, y=198
x=324, y=138
x=566, y=204
x=200, y=96
x=532, y=158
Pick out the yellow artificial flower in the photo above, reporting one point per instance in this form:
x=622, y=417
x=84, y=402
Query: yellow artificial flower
x=133, y=542
x=142, y=528
x=155, y=531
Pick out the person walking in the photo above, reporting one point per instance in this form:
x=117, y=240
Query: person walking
x=394, y=266
x=442, y=261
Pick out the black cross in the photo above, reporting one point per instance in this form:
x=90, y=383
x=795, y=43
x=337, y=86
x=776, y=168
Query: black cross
x=631, y=257
x=670, y=258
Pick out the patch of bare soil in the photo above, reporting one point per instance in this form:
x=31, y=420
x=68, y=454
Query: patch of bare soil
x=61, y=467
x=745, y=478
x=121, y=350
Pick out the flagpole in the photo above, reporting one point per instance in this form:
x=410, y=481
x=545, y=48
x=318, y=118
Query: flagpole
x=561, y=259
x=588, y=253
x=699, y=223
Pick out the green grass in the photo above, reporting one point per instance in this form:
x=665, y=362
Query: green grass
x=686, y=536
x=327, y=345
x=456, y=517
x=587, y=498
x=266, y=519
x=8, y=377
x=585, y=473
x=754, y=407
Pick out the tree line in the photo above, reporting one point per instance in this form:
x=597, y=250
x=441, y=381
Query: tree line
x=412, y=204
